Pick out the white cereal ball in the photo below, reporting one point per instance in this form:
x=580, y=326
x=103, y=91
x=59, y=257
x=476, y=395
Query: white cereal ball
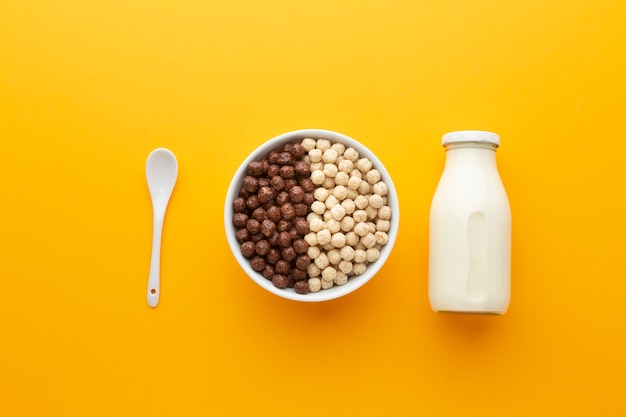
x=338, y=212
x=323, y=237
x=322, y=144
x=380, y=188
x=315, y=284
x=346, y=166
x=330, y=156
x=359, y=216
x=364, y=165
x=321, y=194
x=339, y=148
x=345, y=267
x=316, y=166
x=381, y=238
x=330, y=170
x=359, y=245
x=348, y=205
x=364, y=188
x=342, y=178
x=306, y=159
x=347, y=253
x=329, y=273
x=318, y=207
x=371, y=212
x=372, y=254
x=351, y=154
x=368, y=240
x=360, y=256
x=326, y=216
x=321, y=261
x=327, y=284
x=356, y=173
x=311, y=238
x=338, y=240
x=361, y=202
x=383, y=225
x=328, y=183
x=347, y=224
x=333, y=226
x=361, y=229
x=371, y=227
x=313, y=252
x=352, y=194
x=384, y=213
x=311, y=216
x=341, y=278
x=334, y=257
x=315, y=155
x=358, y=269
x=354, y=182
x=352, y=238
x=331, y=201
x=308, y=144
x=315, y=225
x=313, y=270
x=376, y=201
x=318, y=177
x=328, y=247
x=340, y=192
x=373, y=176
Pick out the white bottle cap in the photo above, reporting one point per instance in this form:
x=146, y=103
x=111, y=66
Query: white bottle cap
x=471, y=136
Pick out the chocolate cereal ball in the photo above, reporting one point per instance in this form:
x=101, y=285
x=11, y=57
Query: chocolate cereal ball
x=255, y=168
x=268, y=272
x=302, y=262
x=301, y=168
x=253, y=226
x=288, y=254
x=282, y=267
x=259, y=214
x=240, y=220
x=258, y=263
x=280, y=281
x=268, y=227
x=300, y=246
x=262, y=247
x=296, y=194
x=242, y=235
x=273, y=256
x=248, y=249
x=301, y=287
x=298, y=151
x=273, y=213
x=250, y=183
x=239, y=205
x=265, y=194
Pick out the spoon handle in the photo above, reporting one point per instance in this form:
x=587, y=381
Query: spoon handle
x=154, y=280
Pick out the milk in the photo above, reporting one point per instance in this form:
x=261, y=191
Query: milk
x=470, y=229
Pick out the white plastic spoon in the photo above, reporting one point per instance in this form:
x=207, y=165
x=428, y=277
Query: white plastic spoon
x=161, y=173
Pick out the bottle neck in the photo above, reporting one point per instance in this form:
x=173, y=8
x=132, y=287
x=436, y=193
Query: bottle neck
x=463, y=153
x=472, y=145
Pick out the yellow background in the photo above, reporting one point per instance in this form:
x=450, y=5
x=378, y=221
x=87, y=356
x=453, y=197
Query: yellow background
x=89, y=88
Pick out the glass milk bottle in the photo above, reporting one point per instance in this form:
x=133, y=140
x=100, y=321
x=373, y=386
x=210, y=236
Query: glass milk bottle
x=470, y=229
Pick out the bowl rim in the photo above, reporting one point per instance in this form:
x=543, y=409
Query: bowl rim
x=353, y=283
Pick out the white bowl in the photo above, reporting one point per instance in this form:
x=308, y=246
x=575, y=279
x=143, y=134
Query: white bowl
x=354, y=282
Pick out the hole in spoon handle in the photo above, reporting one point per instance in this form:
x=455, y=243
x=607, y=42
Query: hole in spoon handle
x=153, y=297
